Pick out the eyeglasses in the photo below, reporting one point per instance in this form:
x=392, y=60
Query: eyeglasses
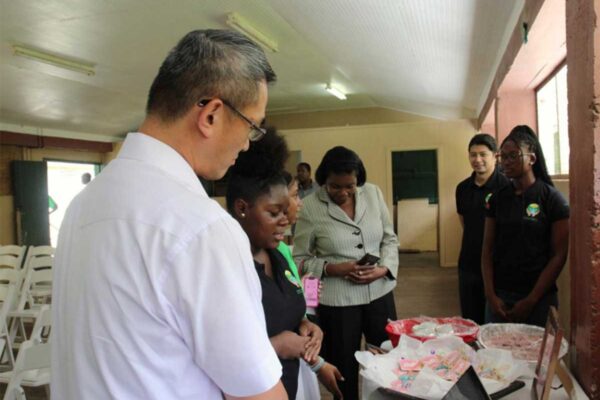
x=256, y=132
x=510, y=157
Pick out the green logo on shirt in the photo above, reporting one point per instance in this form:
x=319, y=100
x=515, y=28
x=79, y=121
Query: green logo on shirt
x=533, y=209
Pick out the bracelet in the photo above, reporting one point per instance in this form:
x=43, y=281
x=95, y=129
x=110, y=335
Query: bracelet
x=316, y=367
x=325, y=269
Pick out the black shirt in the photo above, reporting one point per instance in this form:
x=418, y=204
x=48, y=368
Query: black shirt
x=470, y=203
x=523, y=239
x=284, y=306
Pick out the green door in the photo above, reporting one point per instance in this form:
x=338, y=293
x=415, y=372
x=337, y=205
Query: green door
x=30, y=188
x=414, y=175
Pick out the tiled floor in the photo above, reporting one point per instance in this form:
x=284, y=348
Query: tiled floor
x=423, y=288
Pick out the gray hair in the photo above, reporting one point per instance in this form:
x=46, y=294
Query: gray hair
x=206, y=64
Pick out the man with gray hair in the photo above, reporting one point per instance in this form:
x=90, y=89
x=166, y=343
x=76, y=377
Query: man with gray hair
x=155, y=293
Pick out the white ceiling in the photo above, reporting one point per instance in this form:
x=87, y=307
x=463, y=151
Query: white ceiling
x=430, y=57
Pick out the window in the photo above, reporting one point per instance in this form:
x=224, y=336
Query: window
x=65, y=180
x=553, y=123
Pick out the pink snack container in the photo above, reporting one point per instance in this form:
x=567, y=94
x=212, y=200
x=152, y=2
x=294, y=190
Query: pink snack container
x=311, y=290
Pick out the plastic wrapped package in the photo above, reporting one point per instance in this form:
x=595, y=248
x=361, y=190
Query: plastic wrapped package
x=427, y=328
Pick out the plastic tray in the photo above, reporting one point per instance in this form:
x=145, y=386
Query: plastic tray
x=523, y=340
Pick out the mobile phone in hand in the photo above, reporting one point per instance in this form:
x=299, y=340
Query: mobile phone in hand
x=311, y=290
x=368, y=260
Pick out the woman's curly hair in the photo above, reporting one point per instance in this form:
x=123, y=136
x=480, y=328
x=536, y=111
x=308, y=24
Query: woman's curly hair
x=257, y=170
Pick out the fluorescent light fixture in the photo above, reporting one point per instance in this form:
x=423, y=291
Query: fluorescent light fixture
x=240, y=24
x=47, y=58
x=336, y=92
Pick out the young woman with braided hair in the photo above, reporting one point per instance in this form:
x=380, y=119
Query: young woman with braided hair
x=526, y=235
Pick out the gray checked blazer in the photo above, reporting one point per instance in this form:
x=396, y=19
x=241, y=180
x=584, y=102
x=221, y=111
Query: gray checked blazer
x=325, y=233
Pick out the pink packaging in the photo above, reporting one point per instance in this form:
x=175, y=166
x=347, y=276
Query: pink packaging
x=311, y=290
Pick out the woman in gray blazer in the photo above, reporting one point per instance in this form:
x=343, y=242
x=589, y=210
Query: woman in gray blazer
x=340, y=223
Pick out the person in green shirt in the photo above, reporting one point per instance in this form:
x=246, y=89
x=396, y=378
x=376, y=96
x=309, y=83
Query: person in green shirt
x=52, y=206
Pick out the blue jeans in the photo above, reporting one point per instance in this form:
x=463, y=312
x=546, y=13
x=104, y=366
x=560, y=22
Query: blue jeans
x=538, y=314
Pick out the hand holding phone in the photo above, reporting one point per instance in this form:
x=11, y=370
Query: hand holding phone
x=311, y=290
x=368, y=260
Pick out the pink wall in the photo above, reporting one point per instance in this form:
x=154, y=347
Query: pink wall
x=515, y=108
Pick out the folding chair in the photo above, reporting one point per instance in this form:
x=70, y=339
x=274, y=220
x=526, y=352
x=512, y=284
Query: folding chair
x=10, y=280
x=11, y=250
x=39, y=334
x=32, y=369
x=10, y=262
x=36, y=252
x=35, y=292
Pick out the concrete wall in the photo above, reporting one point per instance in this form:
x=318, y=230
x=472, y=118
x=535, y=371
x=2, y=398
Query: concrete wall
x=375, y=144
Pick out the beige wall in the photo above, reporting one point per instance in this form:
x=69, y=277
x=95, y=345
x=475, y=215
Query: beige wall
x=108, y=157
x=7, y=221
x=62, y=155
x=375, y=143
x=332, y=118
x=423, y=233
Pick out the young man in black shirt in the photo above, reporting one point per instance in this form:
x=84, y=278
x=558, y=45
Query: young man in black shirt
x=471, y=196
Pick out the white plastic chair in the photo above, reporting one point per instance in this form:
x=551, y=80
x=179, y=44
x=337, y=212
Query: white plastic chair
x=14, y=251
x=32, y=369
x=10, y=262
x=39, y=334
x=36, y=252
x=10, y=280
x=35, y=292
x=37, y=285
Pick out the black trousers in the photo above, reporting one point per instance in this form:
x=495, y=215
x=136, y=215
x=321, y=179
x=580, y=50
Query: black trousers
x=343, y=328
x=472, y=296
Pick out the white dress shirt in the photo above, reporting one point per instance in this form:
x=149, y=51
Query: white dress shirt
x=155, y=291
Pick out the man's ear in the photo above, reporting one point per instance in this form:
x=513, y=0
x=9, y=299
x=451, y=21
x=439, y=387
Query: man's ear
x=240, y=209
x=210, y=115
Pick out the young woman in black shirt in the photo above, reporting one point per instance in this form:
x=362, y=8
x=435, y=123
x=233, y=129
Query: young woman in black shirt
x=257, y=197
x=526, y=235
